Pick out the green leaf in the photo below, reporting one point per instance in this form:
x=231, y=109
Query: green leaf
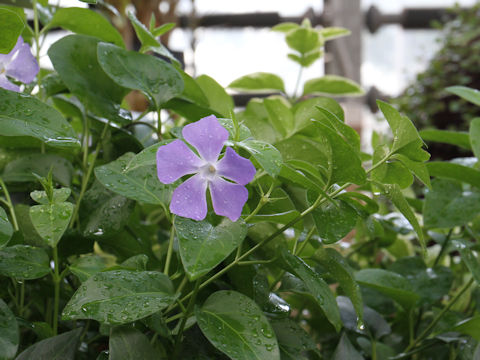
x=447, y=205
x=303, y=40
x=285, y=27
x=332, y=85
x=308, y=59
x=267, y=155
x=345, y=350
x=390, y=284
x=6, y=229
x=103, y=212
x=51, y=220
x=127, y=343
x=138, y=182
x=258, y=82
x=217, y=97
x=86, y=22
x=23, y=115
x=293, y=340
x=87, y=265
x=469, y=327
x=149, y=43
x=23, y=168
x=403, y=130
x=344, y=163
x=192, y=92
x=74, y=57
x=390, y=172
x=120, y=296
x=315, y=285
x=235, y=325
x=162, y=29
x=9, y=334
x=203, y=245
x=419, y=169
x=333, y=220
x=394, y=193
x=243, y=131
x=278, y=218
x=292, y=175
x=157, y=79
x=469, y=94
x=330, y=33
x=305, y=111
x=474, y=133
x=339, y=270
x=59, y=196
x=452, y=171
x=470, y=260
x=62, y=347
x=24, y=262
x=280, y=115
x=11, y=27
x=458, y=138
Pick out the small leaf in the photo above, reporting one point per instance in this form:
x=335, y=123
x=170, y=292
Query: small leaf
x=154, y=77
x=86, y=22
x=469, y=327
x=316, y=286
x=127, y=343
x=120, y=296
x=6, y=229
x=64, y=345
x=218, y=98
x=24, y=262
x=22, y=115
x=303, y=40
x=11, y=27
x=149, y=43
x=469, y=94
x=293, y=340
x=235, y=325
x=87, y=265
x=447, y=205
x=470, y=260
x=280, y=115
x=258, y=82
x=138, y=183
x=458, y=138
x=203, y=245
x=474, y=133
x=267, y=155
x=390, y=284
x=162, y=29
x=332, y=85
x=345, y=350
x=330, y=33
x=59, y=196
x=285, y=27
x=9, y=334
x=51, y=220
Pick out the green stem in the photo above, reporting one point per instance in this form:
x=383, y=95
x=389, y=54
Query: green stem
x=305, y=242
x=191, y=303
x=439, y=316
x=159, y=124
x=170, y=250
x=56, y=283
x=374, y=349
x=297, y=83
x=411, y=334
x=9, y=204
x=444, y=247
x=85, y=143
x=263, y=200
x=86, y=178
x=379, y=163
x=22, y=298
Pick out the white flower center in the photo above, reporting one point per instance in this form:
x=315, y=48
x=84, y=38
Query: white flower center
x=208, y=171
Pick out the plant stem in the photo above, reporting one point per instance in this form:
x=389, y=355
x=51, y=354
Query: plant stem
x=37, y=37
x=411, y=334
x=22, y=298
x=170, y=250
x=85, y=142
x=297, y=83
x=444, y=247
x=86, y=178
x=437, y=318
x=159, y=124
x=374, y=349
x=8, y=202
x=56, y=283
x=191, y=303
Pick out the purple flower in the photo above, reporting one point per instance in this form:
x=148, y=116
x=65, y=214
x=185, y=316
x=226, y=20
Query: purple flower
x=175, y=160
x=19, y=64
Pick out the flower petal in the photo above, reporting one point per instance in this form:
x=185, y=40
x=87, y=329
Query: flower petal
x=175, y=160
x=207, y=136
x=235, y=167
x=5, y=84
x=228, y=199
x=22, y=65
x=189, y=199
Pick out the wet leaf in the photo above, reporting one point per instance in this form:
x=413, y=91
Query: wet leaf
x=235, y=325
x=267, y=155
x=51, y=220
x=24, y=262
x=6, y=229
x=203, y=245
x=127, y=343
x=11, y=27
x=60, y=347
x=9, y=334
x=120, y=296
x=258, y=82
x=293, y=341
